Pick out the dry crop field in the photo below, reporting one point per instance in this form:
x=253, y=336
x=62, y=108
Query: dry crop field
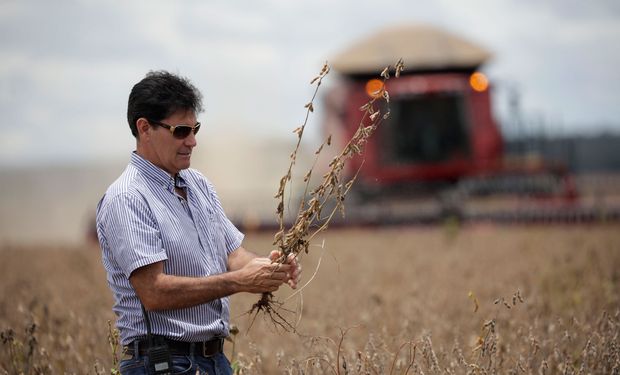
x=433, y=300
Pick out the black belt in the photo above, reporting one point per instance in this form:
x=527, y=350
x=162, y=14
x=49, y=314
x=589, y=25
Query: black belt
x=202, y=348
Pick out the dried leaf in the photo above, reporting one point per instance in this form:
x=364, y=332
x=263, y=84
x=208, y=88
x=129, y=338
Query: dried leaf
x=325, y=69
x=519, y=296
x=385, y=73
x=386, y=96
x=349, y=184
x=400, y=66
x=278, y=237
x=474, y=300
x=283, y=182
x=318, y=151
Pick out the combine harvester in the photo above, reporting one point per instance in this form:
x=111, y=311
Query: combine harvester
x=440, y=153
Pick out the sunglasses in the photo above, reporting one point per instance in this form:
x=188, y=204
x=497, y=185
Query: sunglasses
x=178, y=131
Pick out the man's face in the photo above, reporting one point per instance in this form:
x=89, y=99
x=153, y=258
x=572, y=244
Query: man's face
x=163, y=149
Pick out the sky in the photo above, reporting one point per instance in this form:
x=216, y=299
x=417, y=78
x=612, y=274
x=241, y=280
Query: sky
x=66, y=67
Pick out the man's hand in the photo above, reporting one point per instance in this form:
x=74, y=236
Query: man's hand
x=261, y=275
x=294, y=274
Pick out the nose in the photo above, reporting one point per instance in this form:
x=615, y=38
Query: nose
x=190, y=140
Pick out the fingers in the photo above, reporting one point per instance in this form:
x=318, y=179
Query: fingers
x=293, y=279
x=279, y=267
x=268, y=264
x=262, y=275
x=279, y=270
x=276, y=271
x=295, y=273
x=275, y=255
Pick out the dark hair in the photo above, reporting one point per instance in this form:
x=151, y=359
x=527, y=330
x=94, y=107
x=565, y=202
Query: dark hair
x=159, y=95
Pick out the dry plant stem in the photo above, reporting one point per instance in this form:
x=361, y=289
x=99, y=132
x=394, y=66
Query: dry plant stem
x=294, y=240
x=412, y=349
x=300, y=132
x=317, y=358
x=342, y=334
x=264, y=304
x=309, y=221
x=114, y=342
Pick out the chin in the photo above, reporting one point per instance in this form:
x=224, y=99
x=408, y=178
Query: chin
x=183, y=163
x=182, y=166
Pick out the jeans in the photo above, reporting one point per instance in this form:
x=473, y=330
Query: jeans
x=181, y=364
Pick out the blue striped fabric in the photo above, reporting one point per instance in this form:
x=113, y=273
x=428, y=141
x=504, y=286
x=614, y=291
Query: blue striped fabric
x=140, y=221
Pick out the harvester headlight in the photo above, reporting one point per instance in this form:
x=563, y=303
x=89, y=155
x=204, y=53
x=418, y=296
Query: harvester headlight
x=374, y=88
x=478, y=82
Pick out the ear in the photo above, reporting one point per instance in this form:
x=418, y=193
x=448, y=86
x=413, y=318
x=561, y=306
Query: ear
x=143, y=127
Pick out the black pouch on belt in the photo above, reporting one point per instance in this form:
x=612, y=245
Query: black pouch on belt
x=158, y=351
x=159, y=359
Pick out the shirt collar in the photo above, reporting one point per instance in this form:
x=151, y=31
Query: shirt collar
x=156, y=174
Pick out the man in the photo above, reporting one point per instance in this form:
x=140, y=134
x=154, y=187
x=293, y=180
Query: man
x=171, y=255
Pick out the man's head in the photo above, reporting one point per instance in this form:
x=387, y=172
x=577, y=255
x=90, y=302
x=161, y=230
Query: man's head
x=159, y=95
x=161, y=113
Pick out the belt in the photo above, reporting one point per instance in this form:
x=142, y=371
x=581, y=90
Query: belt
x=202, y=348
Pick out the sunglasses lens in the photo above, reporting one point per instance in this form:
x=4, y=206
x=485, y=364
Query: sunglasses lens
x=181, y=132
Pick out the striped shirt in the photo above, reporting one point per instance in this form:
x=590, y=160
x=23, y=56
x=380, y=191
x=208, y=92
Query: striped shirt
x=142, y=220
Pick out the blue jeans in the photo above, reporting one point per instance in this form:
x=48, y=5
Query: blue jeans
x=215, y=365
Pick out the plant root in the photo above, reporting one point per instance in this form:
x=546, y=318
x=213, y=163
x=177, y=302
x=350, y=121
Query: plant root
x=271, y=309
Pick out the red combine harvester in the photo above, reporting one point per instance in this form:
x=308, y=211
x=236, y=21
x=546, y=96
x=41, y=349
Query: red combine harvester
x=440, y=153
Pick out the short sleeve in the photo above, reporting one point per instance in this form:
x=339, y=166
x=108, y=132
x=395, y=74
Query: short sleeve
x=131, y=233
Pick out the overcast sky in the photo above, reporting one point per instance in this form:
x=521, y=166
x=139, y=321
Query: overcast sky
x=66, y=67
